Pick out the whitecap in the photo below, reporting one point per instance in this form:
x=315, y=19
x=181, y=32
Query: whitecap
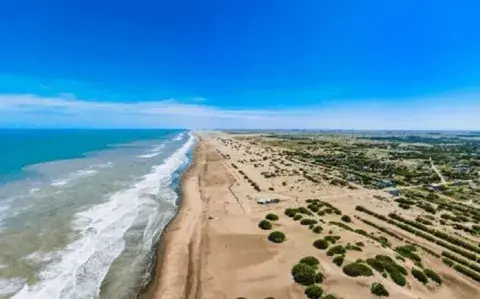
x=80, y=268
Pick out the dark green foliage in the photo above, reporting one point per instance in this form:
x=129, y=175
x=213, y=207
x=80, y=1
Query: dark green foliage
x=329, y=296
x=321, y=244
x=332, y=239
x=290, y=212
x=303, y=210
x=458, y=259
x=419, y=276
x=276, y=237
x=379, y=290
x=297, y=217
x=313, y=292
x=448, y=262
x=360, y=244
x=346, y=218
x=342, y=225
x=353, y=247
x=433, y=276
x=338, y=260
x=303, y=274
x=338, y=249
x=408, y=252
x=375, y=264
x=310, y=260
x=321, y=213
x=317, y=229
x=397, y=272
x=314, y=208
x=465, y=271
x=271, y=217
x=400, y=258
x=264, y=224
x=308, y=221
x=319, y=277
x=357, y=269
x=328, y=211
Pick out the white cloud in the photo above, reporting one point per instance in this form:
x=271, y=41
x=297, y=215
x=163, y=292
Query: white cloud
x=67, y=111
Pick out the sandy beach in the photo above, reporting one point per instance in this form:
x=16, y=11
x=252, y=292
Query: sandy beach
x=214, y=248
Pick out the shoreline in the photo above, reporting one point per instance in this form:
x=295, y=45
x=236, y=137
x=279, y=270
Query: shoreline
x=163, y=248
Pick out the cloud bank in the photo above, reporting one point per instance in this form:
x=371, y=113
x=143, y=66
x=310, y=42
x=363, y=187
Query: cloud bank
x=456, y=112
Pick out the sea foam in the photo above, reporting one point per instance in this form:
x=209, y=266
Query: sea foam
x=78, y=270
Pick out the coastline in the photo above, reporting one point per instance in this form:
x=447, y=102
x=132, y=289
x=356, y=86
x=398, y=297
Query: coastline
x=163, y=272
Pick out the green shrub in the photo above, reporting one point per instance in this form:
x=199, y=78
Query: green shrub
x=419, y=276
x=346, y=218
x=310, y=260
x=331, y=239
x=321, y=244
x=357, y=269
x=313, y=292
x=271, y=217
x=398, y=278
x=375, y=264
x=303, y=210
x=297, y=217
x=265, y=224
x=379, y=290
x=328, y=211
x=433, y=276
x=360, y=244
x=321, y=213
x=338, y=260
x=353, y=247
x=319, y=277
x=276, y=237
x=338, y=249
x=408, y=252
x=303, y=274
x=308, y=221
x=448, y=262
x=329, y=296
x=317, y=229
x=314, y=208
x=290, y=212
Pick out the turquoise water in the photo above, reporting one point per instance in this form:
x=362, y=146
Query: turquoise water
x=80, y=210
x=23, y=147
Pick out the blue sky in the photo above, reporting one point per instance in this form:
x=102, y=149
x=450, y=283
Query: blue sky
x=247, y=64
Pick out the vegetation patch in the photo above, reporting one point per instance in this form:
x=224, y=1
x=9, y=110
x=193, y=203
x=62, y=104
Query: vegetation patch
x=338, y=260
x=420, y=276
x=308, y=221
x=310, y=260
x=321, y=244
x=303, y=274
x=265, y=225
x=297, y=217
x=408, y=251
x=433, y=276
x=317, y=229
x=338, y=249
x=346, y=218
x=290, y=212
x=314, y=292
x=271, y=217
x=357, y=269
x=276, y=237
x=379, y=290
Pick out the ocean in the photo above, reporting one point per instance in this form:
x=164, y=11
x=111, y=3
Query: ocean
x=81, y=210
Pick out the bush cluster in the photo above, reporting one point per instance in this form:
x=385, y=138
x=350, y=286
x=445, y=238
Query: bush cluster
x=317, y=229
x=473, y=266
x=353, y=247
x=408, y=251
x=276, y=237
x=433, y=276
x=338, y=260
x=308, y=221
x=297, y=217
x=303, y=274
x=357, y=269
x=379, y=290
x=321, y=244
x=314, y=292
x=332, y=239
x=271, y=217
x=427, y=236
x=419, y=276
x=290, y=212
x=265, y=225
x=338, y=249
x=346, y=218
x=310, y=260
x=303, y=210
x=376, y=264
x=397, y=272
